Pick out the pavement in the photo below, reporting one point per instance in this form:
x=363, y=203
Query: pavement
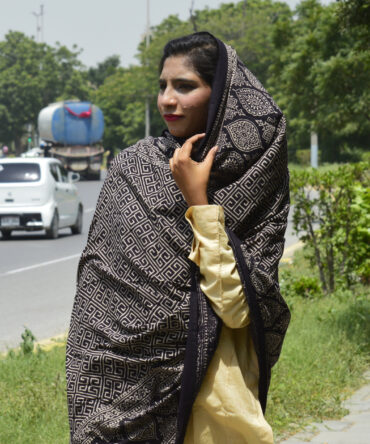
x=353, y=428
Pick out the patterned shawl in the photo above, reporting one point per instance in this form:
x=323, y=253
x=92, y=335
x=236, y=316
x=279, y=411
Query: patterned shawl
x=142, y=333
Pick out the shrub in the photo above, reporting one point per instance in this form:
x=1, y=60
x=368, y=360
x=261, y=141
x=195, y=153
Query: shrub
x=332, y=217
x=302, y=286
x=303, y=157
x=28, y=342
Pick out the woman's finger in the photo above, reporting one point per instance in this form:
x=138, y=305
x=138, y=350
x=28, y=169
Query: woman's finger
x=188, y=145
x=208, y=161
x=175, y=156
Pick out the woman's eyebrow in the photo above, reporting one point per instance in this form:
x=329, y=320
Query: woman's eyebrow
x=181, y=79
x=178, y=80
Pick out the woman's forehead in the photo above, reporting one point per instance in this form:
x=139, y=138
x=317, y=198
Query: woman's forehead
x=178, y=67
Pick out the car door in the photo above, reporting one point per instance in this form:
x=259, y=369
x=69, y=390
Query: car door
x=61, y=195
x=71, y=196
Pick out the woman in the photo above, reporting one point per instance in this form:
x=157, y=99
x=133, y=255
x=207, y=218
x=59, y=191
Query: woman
x=160, y=350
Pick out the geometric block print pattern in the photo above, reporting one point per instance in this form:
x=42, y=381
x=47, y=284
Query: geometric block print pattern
x=129, y=325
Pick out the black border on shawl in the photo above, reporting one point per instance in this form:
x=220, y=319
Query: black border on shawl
x=218, y=87
x=257, y=323
x=189, y=377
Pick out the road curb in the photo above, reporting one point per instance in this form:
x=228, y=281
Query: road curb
x=45, y=344
x=55, y=341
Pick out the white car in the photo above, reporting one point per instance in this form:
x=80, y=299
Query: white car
x=38, y=194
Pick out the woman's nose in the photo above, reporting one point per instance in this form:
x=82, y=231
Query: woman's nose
x=168, y=98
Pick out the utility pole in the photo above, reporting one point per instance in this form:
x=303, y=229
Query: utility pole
x=192, y=17
x=147, y=100
x=314, y=150
x=39, y=24
x=42, y=22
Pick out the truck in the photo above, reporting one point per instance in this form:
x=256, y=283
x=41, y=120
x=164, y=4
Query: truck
x=72, y=131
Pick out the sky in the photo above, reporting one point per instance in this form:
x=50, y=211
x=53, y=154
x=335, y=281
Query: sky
x=100, y=28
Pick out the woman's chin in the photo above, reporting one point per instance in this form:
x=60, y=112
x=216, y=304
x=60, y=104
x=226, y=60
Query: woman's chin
x=184, y=133
x=176, y=132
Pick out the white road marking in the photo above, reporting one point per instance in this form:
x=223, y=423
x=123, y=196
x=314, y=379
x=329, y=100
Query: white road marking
x=42, y=264
x=45, y=264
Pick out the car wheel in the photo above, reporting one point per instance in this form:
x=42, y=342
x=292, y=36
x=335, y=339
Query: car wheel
x=93, y=176
x=53, y=231
x=77, y=227
x=6, y=234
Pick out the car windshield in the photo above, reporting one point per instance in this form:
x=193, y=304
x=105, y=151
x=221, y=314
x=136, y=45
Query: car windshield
x=19, y=172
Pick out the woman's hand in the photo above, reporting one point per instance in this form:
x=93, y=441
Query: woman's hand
x=190, y=176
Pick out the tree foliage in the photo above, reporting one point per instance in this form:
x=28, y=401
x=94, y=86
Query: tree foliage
x=108, y=67
x=31, y=76
x=319, y=77
x=121, y=98
x=332, y=216
x=247, y=26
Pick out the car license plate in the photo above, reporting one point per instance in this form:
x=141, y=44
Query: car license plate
x=10, y=221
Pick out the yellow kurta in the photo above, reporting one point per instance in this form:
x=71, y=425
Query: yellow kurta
x=226, y=410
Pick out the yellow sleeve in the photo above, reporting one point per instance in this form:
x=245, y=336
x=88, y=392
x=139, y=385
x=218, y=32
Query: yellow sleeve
x=220, y=280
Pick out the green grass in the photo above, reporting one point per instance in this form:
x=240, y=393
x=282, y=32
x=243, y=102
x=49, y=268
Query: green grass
x=33, y=406
x=324, y=357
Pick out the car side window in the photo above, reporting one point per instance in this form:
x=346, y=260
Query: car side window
x=64, y=174
x=54, y=171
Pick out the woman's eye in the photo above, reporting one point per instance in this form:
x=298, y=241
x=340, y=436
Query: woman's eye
x=185, y=87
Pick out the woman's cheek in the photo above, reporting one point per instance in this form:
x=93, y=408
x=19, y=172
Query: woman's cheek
x=159, y=103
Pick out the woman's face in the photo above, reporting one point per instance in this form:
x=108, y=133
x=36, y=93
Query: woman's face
x=183, y=98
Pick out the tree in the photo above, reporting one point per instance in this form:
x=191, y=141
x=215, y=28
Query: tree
x=354, y=18
x=121, y=98
x=331, y=213
x=106, y=68
x=247, y=27
x=319, y=79
x=19, y=86
x=31, y=76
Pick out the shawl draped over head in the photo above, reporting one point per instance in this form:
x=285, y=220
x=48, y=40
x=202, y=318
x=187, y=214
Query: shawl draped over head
x=142, y=334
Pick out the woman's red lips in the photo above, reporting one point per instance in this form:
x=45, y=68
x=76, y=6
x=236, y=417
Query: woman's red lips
x=171, y=117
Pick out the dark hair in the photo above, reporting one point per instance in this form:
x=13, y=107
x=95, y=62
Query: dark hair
x=201, y=49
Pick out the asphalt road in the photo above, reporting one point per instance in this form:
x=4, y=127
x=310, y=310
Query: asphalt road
x=38, y=277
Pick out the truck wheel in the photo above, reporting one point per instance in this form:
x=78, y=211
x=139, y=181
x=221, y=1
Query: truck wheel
x=6, y=234
x=77, y=227
x=53, y=231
